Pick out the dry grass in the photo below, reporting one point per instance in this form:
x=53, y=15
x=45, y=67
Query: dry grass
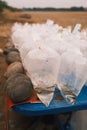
x=62, y=18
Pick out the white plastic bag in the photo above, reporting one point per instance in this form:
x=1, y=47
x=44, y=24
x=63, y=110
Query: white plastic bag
x=42, y=65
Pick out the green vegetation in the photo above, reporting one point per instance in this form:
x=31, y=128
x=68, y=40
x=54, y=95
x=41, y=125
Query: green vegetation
x=56, y=9
x=4, y=5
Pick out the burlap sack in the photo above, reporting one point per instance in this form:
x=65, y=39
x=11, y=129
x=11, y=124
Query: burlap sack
x=18, y=87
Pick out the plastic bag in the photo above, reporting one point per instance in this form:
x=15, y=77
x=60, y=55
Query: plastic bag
x=42, y=65
x=72, y=75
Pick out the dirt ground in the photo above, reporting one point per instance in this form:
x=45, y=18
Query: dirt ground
x=7, y=19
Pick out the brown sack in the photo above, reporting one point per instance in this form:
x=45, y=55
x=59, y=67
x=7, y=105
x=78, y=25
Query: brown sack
x=12, y=57
x=7, y=51
x=15, y=67
x=18, y=87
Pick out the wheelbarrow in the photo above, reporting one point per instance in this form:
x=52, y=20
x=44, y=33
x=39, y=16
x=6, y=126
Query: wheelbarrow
x=59, y=105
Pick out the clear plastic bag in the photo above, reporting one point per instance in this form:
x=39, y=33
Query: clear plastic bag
x=72, y=75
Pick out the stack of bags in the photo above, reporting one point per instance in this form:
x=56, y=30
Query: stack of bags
x=52, y=56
